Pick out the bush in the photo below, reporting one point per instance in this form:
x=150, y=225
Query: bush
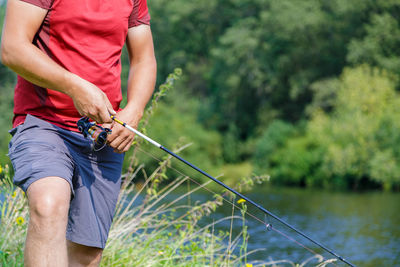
x=274, y=137
x=363, y=131
x=354, y=146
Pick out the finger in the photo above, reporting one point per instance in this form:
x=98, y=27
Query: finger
x=105, y=112
x=112, y=136
x=116, y=130
x=94, y=116
x=110, y=109
x=105, y=117
x=123, y=141
x=116, y=142
x=125, y=145
x=108, y=125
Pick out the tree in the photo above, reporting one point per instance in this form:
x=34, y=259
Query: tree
x=360, y=137
x=380, y=46
x=352, y=146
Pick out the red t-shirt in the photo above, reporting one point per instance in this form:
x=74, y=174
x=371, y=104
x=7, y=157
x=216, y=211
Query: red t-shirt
x=86, y=38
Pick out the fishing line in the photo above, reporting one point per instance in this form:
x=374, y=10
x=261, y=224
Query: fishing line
x=267, y=225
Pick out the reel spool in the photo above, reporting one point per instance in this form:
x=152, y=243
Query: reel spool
x=93, y=131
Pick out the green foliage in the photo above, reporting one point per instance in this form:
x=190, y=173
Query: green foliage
x=297, y=163
x=381, y=44
x=324, y=95
x=287, y=155
x=249, y=63
x=249, y=60
x=230, y=145
x=173, y=123
x=363, y=130
x=177, y=124
x=354, y=146
x=274, y=137
x=13, y=216
x=6, y=111
x=232, y=173
x=7, y=81
x=6, y=75
x=263, y=66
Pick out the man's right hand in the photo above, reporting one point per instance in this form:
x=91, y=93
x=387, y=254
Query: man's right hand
x=91, y=102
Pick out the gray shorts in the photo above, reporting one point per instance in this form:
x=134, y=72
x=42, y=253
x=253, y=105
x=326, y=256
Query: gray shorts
x=40, y=149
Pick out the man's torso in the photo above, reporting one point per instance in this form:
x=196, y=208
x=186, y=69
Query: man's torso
x=86, y=38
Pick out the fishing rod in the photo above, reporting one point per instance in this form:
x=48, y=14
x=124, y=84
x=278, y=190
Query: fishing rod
x=84, y=125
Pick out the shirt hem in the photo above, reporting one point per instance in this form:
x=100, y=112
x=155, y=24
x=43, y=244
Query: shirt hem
x=37, y=3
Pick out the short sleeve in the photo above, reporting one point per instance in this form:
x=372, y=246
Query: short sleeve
x=46, y=4
x=140, y=14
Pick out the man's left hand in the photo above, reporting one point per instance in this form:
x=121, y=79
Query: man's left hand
x=121, y=138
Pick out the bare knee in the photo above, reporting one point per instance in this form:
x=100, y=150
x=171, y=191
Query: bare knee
x=80, y=255
x=48, y=207
x=49, y=202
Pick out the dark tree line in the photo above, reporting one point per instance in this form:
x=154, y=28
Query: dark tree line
x=253, y=61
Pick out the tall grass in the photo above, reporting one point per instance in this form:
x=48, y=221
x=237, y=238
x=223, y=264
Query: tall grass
x=13, y=221
x=147, y=230
x=150, y=227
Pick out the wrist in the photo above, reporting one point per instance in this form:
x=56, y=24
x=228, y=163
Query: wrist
x=134, y=110
x=72, y=83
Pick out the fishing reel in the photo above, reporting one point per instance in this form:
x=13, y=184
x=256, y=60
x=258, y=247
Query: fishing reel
x=93, y=131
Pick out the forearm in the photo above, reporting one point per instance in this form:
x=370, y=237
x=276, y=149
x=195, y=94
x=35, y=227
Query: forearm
x=33, y=65
x=141, y=82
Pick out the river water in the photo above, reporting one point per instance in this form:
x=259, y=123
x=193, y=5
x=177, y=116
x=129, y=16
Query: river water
x=364, y=228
